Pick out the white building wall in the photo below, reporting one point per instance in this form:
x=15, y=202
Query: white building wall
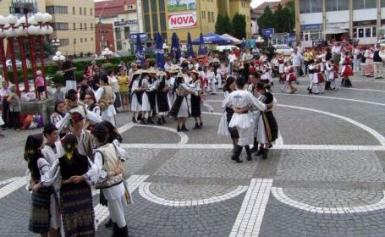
x=337, y=16
x=365, y=14
x=311, y=18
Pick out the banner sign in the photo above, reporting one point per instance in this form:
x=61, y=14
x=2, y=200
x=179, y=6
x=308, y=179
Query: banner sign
x=182, y=20
x=181, y=5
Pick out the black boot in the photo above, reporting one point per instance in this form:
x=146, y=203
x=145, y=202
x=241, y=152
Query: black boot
x=149, y=121
x=237, y=153
x=178, y=129
x=115, y=230
x=200, y=125
x=159, y=122
x=309, y=90
x=109, y=224
x=260, y=151
x=163, y=120
x=265, y=152
x=248, y=152
x=255, y=146
x=196, y=126
x=184, y=129
x=133, y=119
x=123, y=232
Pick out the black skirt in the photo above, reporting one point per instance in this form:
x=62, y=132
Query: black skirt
x=195, y=106
x=162, y=102
x=346, y=82
x=176, y=106
x=77, y=210
x=40, y=212
x=233, y=131
x=271, y=126
x=151, y=98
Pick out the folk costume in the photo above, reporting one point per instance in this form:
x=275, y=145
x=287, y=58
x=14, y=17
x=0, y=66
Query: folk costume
x=346, y=72
x=146, y=108
x=136, y=95
x=162, y=106
x=242, y=121
x=331, y=76
x=105, y=97
x=196, y=101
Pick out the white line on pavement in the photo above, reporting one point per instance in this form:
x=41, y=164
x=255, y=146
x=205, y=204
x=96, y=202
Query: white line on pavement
x=250, y=216
x=101, y=212
x=126, y=127
x=275, y=147
x=145, y=192
x=279, y=194
x=7, y=181
x=13, y=186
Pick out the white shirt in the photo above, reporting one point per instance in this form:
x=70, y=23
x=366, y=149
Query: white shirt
x=296, y=59
x=113, y=82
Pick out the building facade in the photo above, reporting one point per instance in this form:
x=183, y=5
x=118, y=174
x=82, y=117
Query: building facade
x=361, y=20
x=74, y=25
x=123, y=15
x=189, y=16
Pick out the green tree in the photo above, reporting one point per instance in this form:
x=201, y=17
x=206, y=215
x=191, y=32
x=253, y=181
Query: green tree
x=223, y=24
x=282, y=20
x=239, y=26
x=267, y=20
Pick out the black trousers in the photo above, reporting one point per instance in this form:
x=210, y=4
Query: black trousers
x=6, y=115
x=14, y=121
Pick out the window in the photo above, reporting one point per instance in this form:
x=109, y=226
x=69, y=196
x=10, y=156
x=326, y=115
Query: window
x=74, y=40
x=203, y=14
x=161, y=5
x=365, y=32
x=163, y=26
x=337, y=5
x=147, y=26
x=81, y=26
x=85, y=39
x=155, y=22
x=92, y=38
x=382, y=3
x=363, y=4
x=81, y=40
x=85, y=11
x=80, y=11
x=146, y=7
x=90, y=11
x=57, y=10
x=73, y=11
x=92, y=26
x=126, y=32
x=60, y=26
x=310, y=6
x=153, y=6
x=64, y=42
x=73, y=26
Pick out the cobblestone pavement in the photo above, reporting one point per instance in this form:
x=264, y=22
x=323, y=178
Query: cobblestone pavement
x=324, y=178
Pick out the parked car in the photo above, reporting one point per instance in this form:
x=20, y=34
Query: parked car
x=283, y=49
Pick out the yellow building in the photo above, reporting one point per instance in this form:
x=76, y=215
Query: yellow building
x=194, y=16
x=74, y=25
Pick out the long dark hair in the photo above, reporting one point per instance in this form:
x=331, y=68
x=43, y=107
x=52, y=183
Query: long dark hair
x=100, y=132
x=57, y=103
x=112, y=132
x=178, y=81
x=230, y=80
x=32, y=153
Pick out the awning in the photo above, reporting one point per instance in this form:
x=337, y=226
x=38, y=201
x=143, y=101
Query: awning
x=334, y=31
x=232, y=38
x=212, y=38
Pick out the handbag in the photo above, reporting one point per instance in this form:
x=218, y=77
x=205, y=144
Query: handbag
x=222, y=127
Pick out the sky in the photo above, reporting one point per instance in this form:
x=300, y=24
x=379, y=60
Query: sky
x=255, y=3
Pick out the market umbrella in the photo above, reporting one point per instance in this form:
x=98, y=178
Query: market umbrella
x=190, y=50
x=202, y=49
x=139, y=50
x=159, y=52
x=212, y=38
x=175, y=47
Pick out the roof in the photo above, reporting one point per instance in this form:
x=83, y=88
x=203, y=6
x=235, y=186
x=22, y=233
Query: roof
x=111, y=8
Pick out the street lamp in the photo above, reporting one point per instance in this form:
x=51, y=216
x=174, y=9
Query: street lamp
x=55, y=43
x=34, y=28
x=58, y=58
x=107, y=53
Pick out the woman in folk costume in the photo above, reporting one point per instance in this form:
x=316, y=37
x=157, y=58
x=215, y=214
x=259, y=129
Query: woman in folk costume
x=241, y=101
x=105, y=96
x=346, y=72
x=311, y=68
x=196, y=99
x=77, y=210
x=91, y=103
x=58, y=115
x=331, y=76
x=210, y=76
x=318, y=81
x=162, y=90
x=40, y=218
x=145, y=84
x=290, y=79
x=266, y=74
x=151, y=92
x=267, y=127
x=107, y=171
x=281, y=69
x=115, y=138
x=180, y=108
x=173, y=71
x=136, y=95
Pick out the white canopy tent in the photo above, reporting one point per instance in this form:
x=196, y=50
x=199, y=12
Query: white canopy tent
x=232, y=38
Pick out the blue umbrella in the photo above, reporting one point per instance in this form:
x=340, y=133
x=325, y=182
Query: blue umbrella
x=159, y=52
x=202, y=49
x=190, y=50
x=212, y=38
x=139, y=50
x=175, y=47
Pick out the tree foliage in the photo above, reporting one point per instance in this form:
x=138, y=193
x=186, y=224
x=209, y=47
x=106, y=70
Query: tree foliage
x=239, y=26
x=282, y=20
x=223, y=25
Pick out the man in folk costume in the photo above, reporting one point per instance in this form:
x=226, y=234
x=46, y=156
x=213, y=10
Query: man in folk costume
x=331, y=76
x=267, y=127
x=346, y=72
x=105, y=97
x=281, y=69
x=254, y=78
x=136, y=95
x=311, y=68
x=241, y=101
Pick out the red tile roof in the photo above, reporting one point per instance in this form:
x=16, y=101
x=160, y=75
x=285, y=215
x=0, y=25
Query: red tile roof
x=111, y=8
